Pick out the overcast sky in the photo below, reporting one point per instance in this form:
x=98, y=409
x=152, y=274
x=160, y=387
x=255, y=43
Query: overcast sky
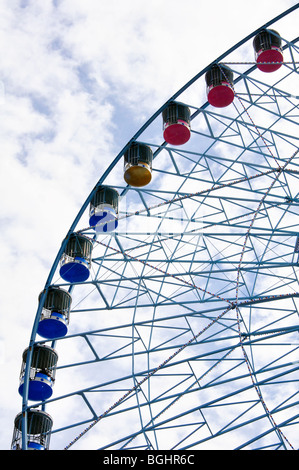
x=77, y=80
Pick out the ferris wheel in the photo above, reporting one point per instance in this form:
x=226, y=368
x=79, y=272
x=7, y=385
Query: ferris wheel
x=169, y=319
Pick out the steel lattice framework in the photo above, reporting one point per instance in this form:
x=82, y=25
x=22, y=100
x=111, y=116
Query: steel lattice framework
x=185, y=336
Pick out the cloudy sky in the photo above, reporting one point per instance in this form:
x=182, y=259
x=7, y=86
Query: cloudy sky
x=77, y=79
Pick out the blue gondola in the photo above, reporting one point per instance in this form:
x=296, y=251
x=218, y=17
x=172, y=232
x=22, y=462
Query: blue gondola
x=103, y=212
x=55, y=313
x=75, y=262
x=42, y=373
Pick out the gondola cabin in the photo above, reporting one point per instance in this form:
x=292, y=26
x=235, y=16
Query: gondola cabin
x=268, y=52
x=103, y=210
x=219, y=81
x=138, y=165
x=176, y=124
x=39, y=426
x=76, y=260
x=55, y=313
x=41, y=374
